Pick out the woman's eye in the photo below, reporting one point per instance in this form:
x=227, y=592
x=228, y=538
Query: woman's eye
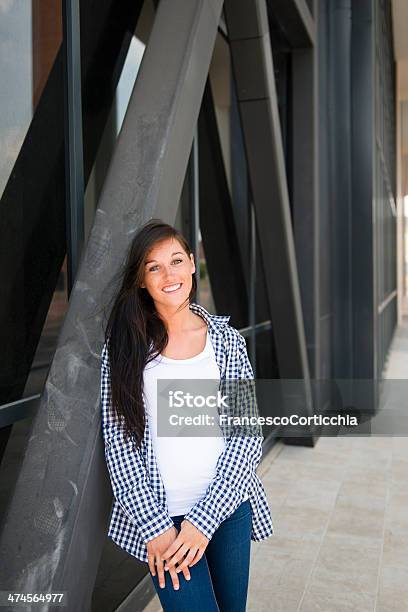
x=175, y=261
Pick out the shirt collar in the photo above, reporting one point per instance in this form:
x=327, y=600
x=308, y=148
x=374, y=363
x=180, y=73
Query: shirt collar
x=215, y=322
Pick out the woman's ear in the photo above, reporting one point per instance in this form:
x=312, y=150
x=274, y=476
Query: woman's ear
x=192, y=261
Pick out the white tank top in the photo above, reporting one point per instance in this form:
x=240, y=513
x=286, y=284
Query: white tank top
x=186, y=464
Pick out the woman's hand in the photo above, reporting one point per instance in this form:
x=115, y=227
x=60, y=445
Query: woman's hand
x=191, y=542
x=155, y=549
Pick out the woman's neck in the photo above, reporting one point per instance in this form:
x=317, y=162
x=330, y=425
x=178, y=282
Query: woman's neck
x=179, y=321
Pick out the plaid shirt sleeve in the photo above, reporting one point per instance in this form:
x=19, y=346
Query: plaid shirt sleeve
x=236, y=463
x=127, y=473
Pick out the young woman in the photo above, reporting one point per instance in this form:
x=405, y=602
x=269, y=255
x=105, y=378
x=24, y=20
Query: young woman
x=187, y=507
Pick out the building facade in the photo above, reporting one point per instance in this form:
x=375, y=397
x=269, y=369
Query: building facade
x=265, y=130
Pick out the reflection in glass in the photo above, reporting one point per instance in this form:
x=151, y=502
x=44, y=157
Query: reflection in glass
x=128, y=79
x=30, y=36
x=220, y=79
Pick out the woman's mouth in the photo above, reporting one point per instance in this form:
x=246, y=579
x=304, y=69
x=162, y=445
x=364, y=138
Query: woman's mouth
x=172, y=288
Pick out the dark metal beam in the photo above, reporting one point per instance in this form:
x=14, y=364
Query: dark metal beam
x=57, y=520
x=295, y=21
x=16, y=411
x=217, y=221
x=74, y=158
x=254, y=76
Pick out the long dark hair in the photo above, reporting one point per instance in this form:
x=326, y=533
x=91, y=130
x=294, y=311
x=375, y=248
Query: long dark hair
x=135, y=334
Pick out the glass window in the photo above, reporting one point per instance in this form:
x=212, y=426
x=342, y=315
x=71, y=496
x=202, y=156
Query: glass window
x=30, y=36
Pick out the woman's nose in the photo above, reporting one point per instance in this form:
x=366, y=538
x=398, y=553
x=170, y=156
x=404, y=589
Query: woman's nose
x=169, y=274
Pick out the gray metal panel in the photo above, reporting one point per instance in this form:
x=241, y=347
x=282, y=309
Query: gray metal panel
x=339, y=56
x=363, y=231
x=247, y=20
x=305, y=202
x=325, y=190
x=250, y=82
x=56, y=524
x=263, y=141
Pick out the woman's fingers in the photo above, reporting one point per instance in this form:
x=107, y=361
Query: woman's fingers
x=170, y=563
x=183, y=551
x=186, y=573
x=187, y=560
x=197, y=557
x=174, y=578
x=160, y=570
x=172, y=571
x=174, y=546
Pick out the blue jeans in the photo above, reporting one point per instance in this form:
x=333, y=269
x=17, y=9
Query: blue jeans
x=219, y=581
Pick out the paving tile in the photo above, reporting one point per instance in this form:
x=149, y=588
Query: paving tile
x=400, y=447
x=366, y=475
x=347, y=563
x=294, y=520
x=283, y=470
x=281, y=570
x=351, y=519
x=312, y=455
x=393, y=589
x=376, y=458
x=399, y=471
x=278, y=601
x=301, y=547
x=395, y=550
x=396, y=514
x=355, y=489
x=362, y=500
x=321, y=600
x=294, y=470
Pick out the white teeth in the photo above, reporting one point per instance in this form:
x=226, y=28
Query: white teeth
x=172, y=288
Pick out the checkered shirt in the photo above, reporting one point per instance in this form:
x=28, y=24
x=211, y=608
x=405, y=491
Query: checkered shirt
x=139, y=511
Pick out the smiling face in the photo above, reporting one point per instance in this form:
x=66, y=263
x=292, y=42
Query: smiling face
x=168, y=273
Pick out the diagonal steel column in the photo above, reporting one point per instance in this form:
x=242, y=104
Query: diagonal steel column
x=56, y=522
x=248, y=32
x=220, y=239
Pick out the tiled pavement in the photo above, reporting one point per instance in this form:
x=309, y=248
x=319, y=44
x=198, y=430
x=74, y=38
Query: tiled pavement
x=340, y=514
